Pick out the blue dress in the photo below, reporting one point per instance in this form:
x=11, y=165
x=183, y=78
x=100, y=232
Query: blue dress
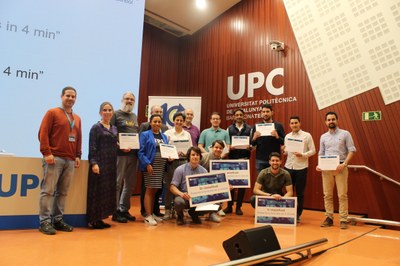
x=101, y=195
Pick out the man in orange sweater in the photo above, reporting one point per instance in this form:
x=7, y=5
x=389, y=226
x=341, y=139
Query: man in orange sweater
x=60, y=137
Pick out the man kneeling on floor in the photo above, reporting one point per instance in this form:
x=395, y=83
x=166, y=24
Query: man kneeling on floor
x=179, y=189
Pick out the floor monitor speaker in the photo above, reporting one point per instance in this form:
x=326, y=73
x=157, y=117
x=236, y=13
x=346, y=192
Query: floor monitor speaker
x=251, y=242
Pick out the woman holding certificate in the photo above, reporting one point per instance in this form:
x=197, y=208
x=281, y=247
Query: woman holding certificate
x=152, y=165
x=182, y=140
x=102, y=181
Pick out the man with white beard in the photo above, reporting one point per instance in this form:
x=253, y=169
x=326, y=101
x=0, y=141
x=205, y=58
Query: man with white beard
x=126, y=122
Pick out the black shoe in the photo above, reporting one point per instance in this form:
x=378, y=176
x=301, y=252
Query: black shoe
x=105, y=225
x=196, y=219
x=117, y=217
x=227, y=210
x=239, y=211
x=47, y=229
x=179, y=219
x=62, y=226
x=159, y=214
x=128, y=216
x=96, y=225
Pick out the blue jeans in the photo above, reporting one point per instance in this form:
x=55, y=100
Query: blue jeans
x=55, y=184
x=126, y=172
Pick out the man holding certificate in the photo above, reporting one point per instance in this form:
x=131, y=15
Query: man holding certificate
x=272, y=181
x=335, y=143
x=299, y=146
x=268, y=136
x=179, y=187
x=127, y=125
x=239, y=133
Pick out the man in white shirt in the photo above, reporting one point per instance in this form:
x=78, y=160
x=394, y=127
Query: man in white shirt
x=297, y=162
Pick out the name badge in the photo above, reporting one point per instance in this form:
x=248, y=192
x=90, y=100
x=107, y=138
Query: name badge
x=71, y=138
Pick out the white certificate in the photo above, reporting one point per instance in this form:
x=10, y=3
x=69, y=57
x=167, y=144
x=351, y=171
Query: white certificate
x=128, y=141
x=208, y=207
x=328, y=162
x=265, y=129
x=168, y=151
x=181, y=145
x=240, y=142
x=294, y=145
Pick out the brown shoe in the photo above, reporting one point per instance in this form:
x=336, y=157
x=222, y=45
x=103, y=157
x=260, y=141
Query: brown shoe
x=328, y=222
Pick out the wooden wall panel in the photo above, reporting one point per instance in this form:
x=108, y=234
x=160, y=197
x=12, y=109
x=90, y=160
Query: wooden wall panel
x=204, y=60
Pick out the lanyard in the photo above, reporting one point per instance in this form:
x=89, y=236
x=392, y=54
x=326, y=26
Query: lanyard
x=71, y=123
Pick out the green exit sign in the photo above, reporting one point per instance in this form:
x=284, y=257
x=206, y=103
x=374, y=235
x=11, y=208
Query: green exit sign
x=372, y=116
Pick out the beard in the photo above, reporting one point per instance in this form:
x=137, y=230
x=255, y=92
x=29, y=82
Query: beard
x=332, y=126
x=127, y=108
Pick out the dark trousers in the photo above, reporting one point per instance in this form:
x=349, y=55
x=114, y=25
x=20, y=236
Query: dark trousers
x=239, y=200
x=299, y=180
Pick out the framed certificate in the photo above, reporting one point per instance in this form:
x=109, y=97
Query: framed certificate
x=237, y=171
x=276, y=212
x=205, y=189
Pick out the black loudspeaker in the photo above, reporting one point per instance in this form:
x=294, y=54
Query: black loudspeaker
x=251, y=242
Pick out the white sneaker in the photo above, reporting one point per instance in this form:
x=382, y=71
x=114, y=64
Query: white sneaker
x=221, y=213
x=157, y=219
x=214, y=218
x=167, y=215
x=150, y=220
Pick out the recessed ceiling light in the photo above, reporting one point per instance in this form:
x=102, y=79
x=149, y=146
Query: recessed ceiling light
x=201, y=4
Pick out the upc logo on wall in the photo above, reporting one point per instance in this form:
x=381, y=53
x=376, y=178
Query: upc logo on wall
x=255, y=81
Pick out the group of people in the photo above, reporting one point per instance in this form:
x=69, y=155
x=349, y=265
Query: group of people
x=112, y=171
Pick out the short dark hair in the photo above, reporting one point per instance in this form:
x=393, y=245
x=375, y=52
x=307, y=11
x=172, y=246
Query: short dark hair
x=238, y=110
x=195, y=149
x=155, y=115
x=267, y=105
x=215, y=113
x=331, y=113
x=294, y=117
x=220, y=142
x=274, y=154
x=179, y=114
x=68, y=88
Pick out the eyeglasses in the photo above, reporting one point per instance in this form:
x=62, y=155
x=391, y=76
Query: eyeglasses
x=129, y=99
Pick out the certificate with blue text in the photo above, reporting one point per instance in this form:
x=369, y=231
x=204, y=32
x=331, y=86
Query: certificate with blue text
x=207, y=188
x=237, y=171
x=276, y=212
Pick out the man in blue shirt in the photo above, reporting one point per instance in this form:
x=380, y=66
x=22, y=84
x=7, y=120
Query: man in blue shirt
x=208, y=135
x=179, y=188
x=336, y=142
